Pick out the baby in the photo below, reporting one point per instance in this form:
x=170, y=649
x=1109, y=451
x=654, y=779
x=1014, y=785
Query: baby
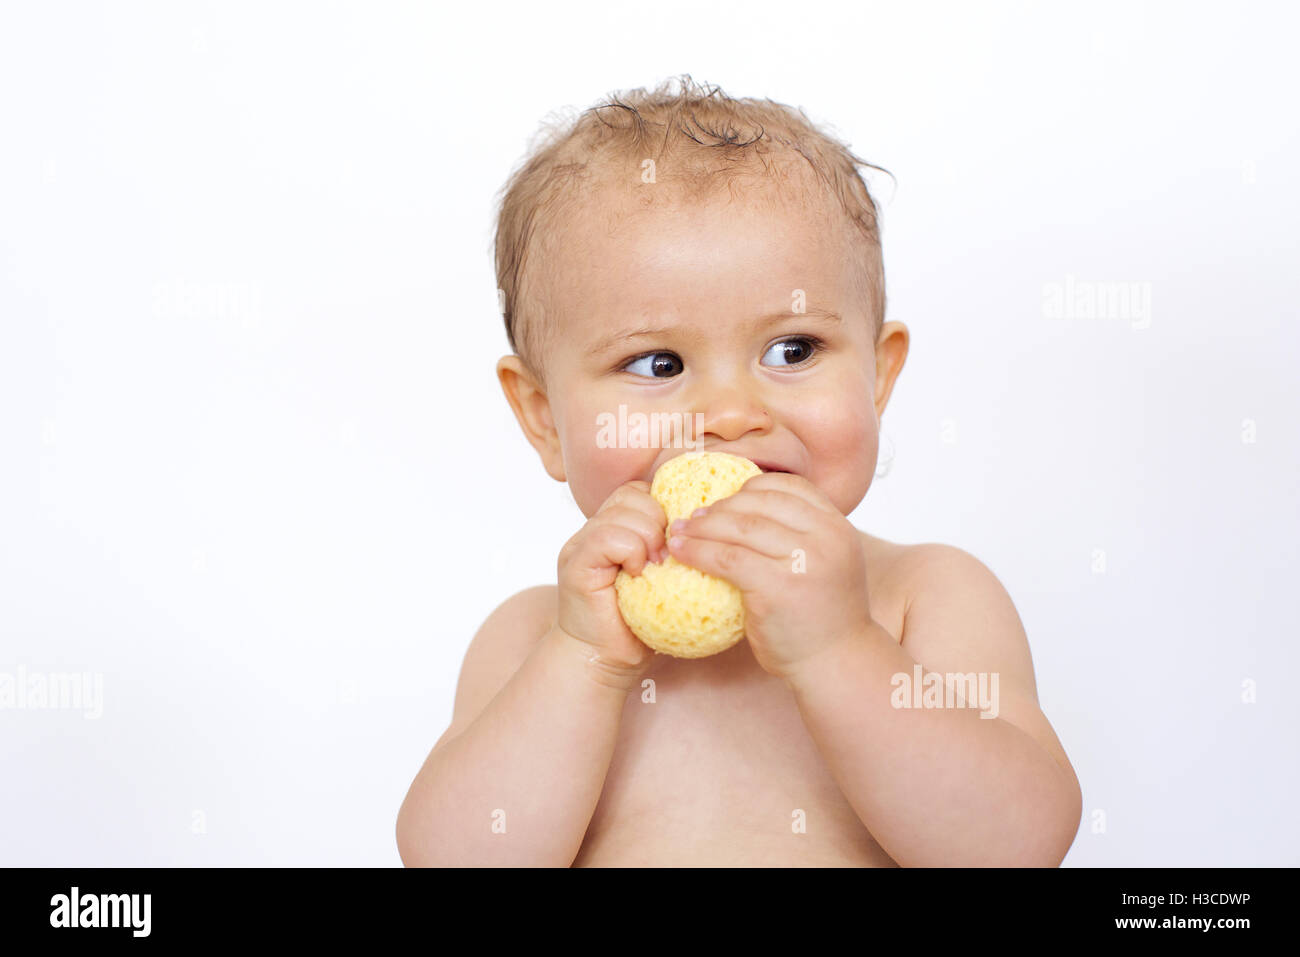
x=680, y=251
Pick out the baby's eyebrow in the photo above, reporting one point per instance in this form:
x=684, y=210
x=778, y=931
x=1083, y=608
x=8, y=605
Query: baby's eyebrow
x=605, y=343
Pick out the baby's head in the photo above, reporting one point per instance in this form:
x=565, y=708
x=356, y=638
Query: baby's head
x=700, y=261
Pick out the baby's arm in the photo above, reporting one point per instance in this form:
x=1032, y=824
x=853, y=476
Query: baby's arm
x=945, y=786
x=528, y=748
x=515, y=779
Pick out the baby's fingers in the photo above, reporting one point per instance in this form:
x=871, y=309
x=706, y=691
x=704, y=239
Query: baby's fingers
x=754, y=531
x=635, y=495
x=741, y=566
x=649, y=529
x=590, y=561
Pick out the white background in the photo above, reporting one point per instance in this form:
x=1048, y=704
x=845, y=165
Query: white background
x=258, y=474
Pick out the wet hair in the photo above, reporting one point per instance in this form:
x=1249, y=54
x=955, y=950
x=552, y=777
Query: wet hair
x=701, y=142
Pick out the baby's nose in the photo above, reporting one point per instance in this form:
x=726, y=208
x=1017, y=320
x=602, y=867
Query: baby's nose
x=729, y=413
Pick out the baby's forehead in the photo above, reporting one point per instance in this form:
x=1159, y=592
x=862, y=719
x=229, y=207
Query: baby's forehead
x=594, y=255
x=615, y=244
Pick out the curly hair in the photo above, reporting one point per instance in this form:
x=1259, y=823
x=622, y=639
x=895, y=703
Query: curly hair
x=700, y=141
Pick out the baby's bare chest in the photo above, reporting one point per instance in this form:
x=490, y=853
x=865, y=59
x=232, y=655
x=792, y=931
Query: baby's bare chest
x=715, y=767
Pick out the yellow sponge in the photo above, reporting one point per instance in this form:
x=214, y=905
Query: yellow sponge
x=673, y=608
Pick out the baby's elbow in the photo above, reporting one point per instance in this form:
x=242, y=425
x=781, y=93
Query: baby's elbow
x=403, y=846
x=413, y=852
x=1047, y=832
x=1062, y=825
x=410, y=847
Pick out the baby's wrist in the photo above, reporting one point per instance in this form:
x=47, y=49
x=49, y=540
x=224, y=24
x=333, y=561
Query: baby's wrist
x=597, y=664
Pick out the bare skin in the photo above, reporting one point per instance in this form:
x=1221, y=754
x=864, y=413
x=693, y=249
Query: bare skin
x=785, y=749
x=709, y=774
x=692, y=783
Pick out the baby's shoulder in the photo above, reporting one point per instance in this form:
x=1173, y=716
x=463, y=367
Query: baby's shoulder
x=521, y=620
x=952, y=605
x=913, y=565
x=897, y=568
x=911, y=574
x=509, y=634
x=500, y=646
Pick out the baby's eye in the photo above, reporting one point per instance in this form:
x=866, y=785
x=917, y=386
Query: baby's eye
x=658, y=365
x=793, y=351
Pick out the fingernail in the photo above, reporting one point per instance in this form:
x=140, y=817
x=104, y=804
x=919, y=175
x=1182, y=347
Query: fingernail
x=699, y=511
x=677, y=525
x=674, y=543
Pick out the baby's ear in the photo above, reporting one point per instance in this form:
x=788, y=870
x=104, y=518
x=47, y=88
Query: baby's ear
x=891, y=353
x=533, y=410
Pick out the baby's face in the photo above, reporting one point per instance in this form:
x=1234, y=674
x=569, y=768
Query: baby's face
x=696, y=310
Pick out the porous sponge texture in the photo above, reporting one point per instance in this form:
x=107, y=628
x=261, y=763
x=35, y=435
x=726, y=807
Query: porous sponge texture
x=695, y=479
x=673, y=608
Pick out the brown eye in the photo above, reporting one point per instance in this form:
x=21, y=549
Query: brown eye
x=792, y=352
x=657, y=365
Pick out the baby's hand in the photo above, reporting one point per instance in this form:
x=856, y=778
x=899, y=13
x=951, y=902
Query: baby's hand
x=626, y=532
x=799, y=565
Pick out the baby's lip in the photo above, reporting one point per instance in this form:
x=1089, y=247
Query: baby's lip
x=767, y=465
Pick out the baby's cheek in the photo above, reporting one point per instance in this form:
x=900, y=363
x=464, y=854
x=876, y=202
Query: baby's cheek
x=842, y=429
x=597, y=472
x=843, y=439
